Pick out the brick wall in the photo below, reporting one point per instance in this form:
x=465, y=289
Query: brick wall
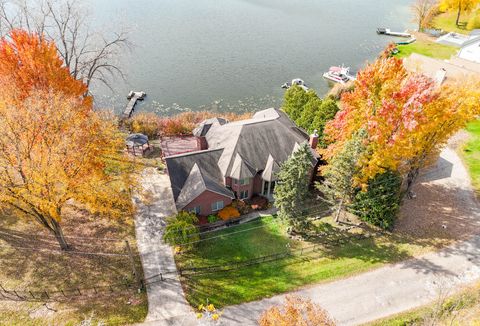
x=205, y=201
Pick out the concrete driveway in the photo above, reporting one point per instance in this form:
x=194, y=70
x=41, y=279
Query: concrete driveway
x=166, y=300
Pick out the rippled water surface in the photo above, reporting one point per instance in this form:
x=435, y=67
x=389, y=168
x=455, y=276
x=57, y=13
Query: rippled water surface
x=235, y=54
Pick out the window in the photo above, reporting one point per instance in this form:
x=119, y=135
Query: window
x=244, y=182
x=241, y=182
x=243, y=194
x=195, y=210
x=216, y=206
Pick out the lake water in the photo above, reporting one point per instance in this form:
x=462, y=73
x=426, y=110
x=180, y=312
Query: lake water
x=235, y=54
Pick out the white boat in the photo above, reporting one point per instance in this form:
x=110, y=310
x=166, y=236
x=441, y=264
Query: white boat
x=339, y=75
x=298, y=82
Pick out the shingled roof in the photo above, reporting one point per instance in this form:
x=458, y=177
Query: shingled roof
x=238, y=150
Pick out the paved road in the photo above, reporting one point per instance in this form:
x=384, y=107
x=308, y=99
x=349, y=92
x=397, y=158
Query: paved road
x=166, y=301
x=398, y=287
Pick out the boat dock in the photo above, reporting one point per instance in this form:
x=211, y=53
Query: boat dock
x=387, y=31
x=133, y=97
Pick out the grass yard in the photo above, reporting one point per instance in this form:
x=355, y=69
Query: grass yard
x=31, y=261
x=471, y=153
x=462, y=308
x=446, y=21
x=427, y=48
x=268, y=236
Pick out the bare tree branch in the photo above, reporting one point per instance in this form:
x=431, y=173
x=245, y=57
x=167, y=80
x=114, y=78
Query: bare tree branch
x=89, y=56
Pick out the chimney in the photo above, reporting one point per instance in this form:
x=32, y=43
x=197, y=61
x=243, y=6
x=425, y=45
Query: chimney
x=202, y=143
x=314, y=139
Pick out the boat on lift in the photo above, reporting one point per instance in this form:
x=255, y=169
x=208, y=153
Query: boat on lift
x=296, y=82
x=339, y=75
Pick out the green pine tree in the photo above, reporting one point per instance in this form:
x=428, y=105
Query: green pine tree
x=291, y=190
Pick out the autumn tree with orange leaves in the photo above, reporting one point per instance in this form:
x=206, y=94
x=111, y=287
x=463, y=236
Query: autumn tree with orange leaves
x=55, y=149
x=406, y=118
x=296, y=311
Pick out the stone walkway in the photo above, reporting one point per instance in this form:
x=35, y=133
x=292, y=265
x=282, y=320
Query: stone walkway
x=394, y=288
x=166, y=300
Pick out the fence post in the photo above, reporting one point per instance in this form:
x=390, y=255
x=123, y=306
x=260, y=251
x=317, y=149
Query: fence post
x=134, y=268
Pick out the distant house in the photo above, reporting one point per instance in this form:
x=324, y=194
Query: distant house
x=234, y=160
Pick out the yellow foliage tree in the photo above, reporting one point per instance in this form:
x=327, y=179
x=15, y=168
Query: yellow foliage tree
x=406, y=117
x=459, y=6
x=54, y=148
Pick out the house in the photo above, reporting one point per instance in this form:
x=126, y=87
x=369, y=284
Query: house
x=234, y=160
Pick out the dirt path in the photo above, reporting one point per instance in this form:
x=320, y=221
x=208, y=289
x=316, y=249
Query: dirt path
x=166, y=300
x=446, y=205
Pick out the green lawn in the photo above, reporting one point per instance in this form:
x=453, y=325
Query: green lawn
x=429, y=49
x=471, y=153
x=446, y=21
x=268, y=236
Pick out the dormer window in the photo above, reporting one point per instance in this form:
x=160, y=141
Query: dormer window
x=241, y=182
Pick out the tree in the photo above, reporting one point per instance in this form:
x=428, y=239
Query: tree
x=308, y=111
x=291, y=189
x=326, y=112
x=340, y=173
x=406, y=116
x=88, y=56
x=379, y=204
x=296, y=311
x=294, y=102
x=458, y=6
x=424, y=11
x=32, y=63
x=181, y=228
x=55, y=150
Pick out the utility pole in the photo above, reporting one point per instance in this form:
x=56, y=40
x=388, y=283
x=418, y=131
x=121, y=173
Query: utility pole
x=134, y=268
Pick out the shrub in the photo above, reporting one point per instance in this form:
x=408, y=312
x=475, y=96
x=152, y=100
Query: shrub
x=181, y=228
x=242, y=207
x=212, y=218
x=146, y=123
x=296, y=311
x=259, y=203
x=380, y=203
x=228, y=212
x=181, y=124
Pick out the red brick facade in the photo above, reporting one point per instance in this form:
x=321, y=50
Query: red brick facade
x=205, y=201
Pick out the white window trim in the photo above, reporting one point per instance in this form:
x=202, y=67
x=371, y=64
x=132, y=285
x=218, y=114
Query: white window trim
x=216, y=209
x=194, y=210
x=245, y=193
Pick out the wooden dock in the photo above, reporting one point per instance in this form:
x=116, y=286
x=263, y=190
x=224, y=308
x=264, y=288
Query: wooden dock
x=134, y=97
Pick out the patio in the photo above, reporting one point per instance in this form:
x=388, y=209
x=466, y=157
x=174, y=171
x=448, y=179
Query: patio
x=178, y=145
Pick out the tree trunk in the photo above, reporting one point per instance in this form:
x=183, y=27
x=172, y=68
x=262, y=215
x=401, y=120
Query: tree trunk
x=57, y=231
x=411, y=177
x=459, y=11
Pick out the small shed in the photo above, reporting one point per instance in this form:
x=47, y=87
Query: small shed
x=137, y=144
